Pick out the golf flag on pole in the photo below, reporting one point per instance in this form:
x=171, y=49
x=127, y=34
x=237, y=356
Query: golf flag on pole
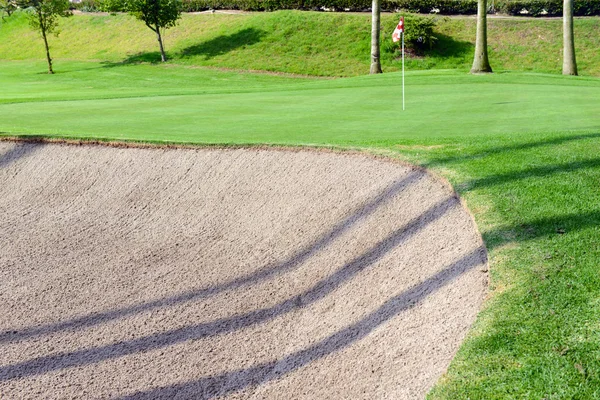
x=398, y=31
x=396, y=37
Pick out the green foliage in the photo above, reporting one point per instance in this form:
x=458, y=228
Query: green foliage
x=7, y=7
x=419, y=34
x=547, y=8
x=87, y=6
x=156, y=14
x=416, y=6
x=44, y=14
x=313, y=43
x=444, y=7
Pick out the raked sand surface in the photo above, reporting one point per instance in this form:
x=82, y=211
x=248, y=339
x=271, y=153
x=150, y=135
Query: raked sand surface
x=139, y=273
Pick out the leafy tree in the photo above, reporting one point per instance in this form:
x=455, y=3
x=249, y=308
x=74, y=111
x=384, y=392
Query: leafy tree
x=158, y=15
x=7, y=7
x=375, y=37
x=480, y=62
x=43, y=16
x=569, y=63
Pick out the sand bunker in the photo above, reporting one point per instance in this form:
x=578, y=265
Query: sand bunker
x=246, y=274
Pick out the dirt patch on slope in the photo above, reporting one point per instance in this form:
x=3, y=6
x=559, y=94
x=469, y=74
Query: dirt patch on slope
x=215, y=273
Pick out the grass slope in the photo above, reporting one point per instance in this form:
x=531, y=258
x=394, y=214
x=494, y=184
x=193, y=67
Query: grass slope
x=522, y=150
x=328, y=44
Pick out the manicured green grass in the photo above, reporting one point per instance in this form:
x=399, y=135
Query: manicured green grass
x=521, y=149
x=327, y=44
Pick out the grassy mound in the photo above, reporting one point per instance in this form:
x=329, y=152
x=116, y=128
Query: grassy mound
x=326, y=44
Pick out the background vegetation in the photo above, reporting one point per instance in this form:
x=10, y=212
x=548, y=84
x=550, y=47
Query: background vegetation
x=315, y=43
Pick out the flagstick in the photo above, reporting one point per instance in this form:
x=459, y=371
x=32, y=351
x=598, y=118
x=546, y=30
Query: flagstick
x=403, y=71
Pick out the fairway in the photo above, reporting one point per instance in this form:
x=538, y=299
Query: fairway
x=521, y=150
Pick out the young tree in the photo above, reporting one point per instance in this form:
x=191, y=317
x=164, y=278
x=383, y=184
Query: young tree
x=158, y=15
x=480, y=62
x=375, y=37
x=569, y=63
x=43, y=17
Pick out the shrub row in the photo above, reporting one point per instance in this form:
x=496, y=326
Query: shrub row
x=448, y=7
x=445, y=7
x=548, y=8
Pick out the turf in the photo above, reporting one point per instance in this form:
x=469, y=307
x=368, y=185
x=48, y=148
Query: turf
x=326, y=44
x=521, y=149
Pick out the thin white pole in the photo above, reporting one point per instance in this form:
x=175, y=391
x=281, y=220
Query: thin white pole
x=403, y=71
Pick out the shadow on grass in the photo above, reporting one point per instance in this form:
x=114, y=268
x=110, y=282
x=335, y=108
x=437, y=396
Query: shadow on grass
x=447, y=46
x=224, y=44
x=541, y=227
x=211, y=48
x=513, y=147
x=537, y=172
x=149, y=57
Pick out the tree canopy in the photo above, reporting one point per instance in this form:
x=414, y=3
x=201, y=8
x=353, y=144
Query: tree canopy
x=158, y=15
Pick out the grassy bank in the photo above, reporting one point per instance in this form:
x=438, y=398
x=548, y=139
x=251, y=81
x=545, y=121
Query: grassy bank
x=327, y=44
x=520, y=148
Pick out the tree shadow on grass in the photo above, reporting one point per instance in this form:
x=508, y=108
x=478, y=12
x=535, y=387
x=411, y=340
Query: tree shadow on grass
x=224, y=44
x=447, y=46
x=511, y=147
x=444, y=47
x=211, y=48
x=147, y=57
x=545, y=227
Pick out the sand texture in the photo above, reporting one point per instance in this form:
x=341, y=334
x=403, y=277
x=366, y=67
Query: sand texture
x=228, y=273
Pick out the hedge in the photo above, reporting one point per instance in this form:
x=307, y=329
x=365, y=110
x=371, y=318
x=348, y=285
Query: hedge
x=547, y=8
x=447, y=7
x=533, y=8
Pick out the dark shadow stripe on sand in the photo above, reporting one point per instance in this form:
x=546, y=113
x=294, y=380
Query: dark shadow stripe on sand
x=266, y=272
x=233, y=381
x=323, y=288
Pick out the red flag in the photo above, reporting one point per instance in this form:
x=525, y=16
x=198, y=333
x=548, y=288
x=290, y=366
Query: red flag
x=398, y=31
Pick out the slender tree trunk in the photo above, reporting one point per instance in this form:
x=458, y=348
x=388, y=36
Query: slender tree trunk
x=43, y=29
x=375, y=35
x=163, y=57
x=480, y=62
x=569, y=63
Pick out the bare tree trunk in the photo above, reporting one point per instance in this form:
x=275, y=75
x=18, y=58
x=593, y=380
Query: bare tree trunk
x=375, y=35
x=43, y=29
x=480, y=62
x=163, y=57
x=569, y=63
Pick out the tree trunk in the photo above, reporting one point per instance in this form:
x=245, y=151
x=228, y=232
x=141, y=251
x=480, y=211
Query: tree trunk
x=481, y=63
x=163, y=57
x=375, y=35
x=43, y=29
x=569, y=63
